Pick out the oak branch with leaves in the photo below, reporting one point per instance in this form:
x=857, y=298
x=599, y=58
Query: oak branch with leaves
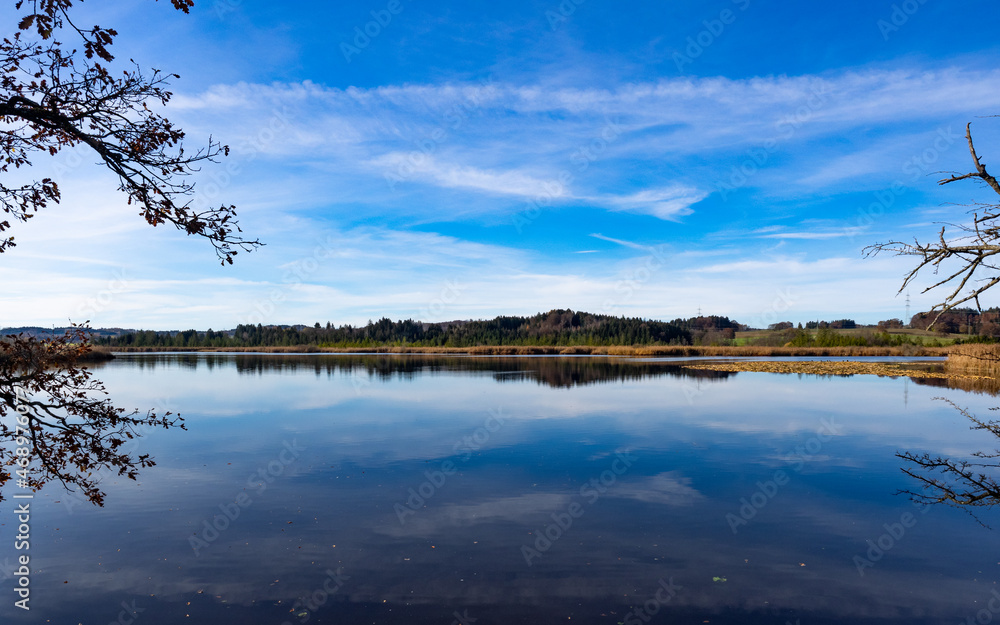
x=73, y=432
x=973, y=246
x=54, y=97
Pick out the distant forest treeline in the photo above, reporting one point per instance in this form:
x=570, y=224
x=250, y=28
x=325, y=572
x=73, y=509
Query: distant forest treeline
x=554, y=328
x=557, y=327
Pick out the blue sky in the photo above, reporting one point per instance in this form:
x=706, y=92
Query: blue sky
x=473, y=159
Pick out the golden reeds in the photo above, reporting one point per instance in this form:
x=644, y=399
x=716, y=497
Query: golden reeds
x=976, y=359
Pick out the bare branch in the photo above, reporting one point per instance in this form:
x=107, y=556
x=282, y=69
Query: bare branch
x=980, y=169
x=958, y=483
x=968, y=253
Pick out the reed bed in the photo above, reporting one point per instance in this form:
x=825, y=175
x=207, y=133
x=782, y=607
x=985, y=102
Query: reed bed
x=97, y=354
x=979, y=384
x=833, y=367
x=976, y=359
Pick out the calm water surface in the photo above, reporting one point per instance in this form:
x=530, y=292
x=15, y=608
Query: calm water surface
x=366, y=489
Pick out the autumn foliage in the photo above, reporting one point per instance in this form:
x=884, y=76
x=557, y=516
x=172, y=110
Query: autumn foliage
x=62, y=415
x=53, y=97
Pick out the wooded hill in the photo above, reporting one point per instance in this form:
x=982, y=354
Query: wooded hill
x=557, y=327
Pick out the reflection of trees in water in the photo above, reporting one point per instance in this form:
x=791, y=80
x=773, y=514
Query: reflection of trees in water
x=981, y=385
x=579, y=372
x=61, y=428
x=559, y=372
x=74, y=434
x=964, y=484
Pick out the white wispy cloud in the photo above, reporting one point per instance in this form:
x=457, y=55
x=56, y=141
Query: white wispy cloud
x=666, y=203
x=429, y=170
x=808, y=235
x=311, y=162
x=519, y=139
x=622, y=242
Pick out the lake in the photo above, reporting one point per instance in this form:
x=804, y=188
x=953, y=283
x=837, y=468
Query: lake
x=459, y=490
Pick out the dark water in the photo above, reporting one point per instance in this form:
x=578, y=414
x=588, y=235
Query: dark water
x=499, y=490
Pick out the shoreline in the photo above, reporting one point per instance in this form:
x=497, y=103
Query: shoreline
x=562, y=350
x=970, y=368
x=888, y=369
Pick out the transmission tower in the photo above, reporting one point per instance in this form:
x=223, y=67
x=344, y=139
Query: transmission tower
x=906, y=322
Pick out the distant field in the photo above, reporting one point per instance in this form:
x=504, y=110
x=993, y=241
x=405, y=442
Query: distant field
x=744, y=338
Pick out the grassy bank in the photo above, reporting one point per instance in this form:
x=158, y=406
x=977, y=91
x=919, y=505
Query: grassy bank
x=97, y=354
x=889, y=336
